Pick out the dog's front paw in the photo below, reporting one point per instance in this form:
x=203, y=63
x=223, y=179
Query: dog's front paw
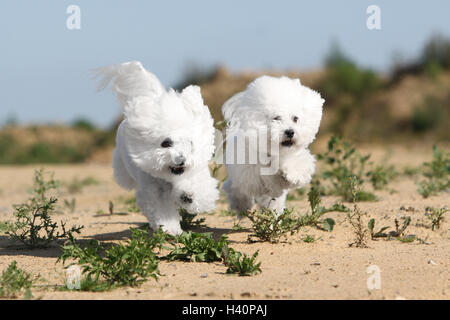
x=186, y=198
x=285, y=181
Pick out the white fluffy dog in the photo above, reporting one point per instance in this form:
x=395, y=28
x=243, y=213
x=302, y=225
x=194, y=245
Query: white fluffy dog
x=283, y=114
x=163, y=145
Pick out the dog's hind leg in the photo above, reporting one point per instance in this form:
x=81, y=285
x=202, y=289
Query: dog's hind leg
x=277, y=204
x=121, y=174
x=238, y=201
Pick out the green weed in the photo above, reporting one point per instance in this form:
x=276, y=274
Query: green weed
x=243, y=265
x=198, y=247
x=76, y=185
x=436, y=216
x=124, y=264
x=187, y=220
x=14, y=281
x=34, y=226
x=436, y=173
x=343, y=162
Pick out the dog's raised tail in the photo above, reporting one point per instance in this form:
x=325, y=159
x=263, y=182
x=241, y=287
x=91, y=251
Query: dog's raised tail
x=129, y=80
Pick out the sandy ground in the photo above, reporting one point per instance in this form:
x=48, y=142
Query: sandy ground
x=325, y=269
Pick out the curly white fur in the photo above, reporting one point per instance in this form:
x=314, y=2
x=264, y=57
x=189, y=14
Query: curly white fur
x=163, y=145
x=289, y=114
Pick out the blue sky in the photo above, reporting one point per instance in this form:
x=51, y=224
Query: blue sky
x=44, y=67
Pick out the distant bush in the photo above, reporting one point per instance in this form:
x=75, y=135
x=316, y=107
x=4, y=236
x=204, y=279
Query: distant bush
x=11, y=152
x=436, y=174
x=345, y=77
x=437, y=50
x=84, y=124
x=196, y=75
x=434, y=58
x=51, y=144
x=431, y=114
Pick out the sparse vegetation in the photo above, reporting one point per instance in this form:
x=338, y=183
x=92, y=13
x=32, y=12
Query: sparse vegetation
x=381, y=175
x=356, y=219
x=198, y=247
x=187, y=220
x=296, y=194
x=240, y=263
x=360, y=231
x=70, y=205
x=436, y=216
x=309, y=239
x=34, y=226
x=76, y=185
x=131, y=205
x=342, y=163
x=269, y=226
x=376, y=234
x=436, y=173
x=344, y=77
x=15, y=281
x=123, y=264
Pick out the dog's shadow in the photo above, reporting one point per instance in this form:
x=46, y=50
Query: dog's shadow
x=216, y=233
x=9, y=248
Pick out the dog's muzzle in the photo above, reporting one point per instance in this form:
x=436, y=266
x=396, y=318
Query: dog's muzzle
x=179, y=166
x=177, y=169
x=287, y=143
x=288, y=135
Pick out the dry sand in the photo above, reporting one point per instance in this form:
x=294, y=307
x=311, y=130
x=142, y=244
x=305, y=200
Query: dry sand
x=325, y=269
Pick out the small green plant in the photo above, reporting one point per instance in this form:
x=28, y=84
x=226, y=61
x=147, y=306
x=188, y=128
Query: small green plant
x=70, y=205
x=356, y=220
x=76, y=185
x=309, y=239
x=187, y=220
x=436, y=216
x=381, y=175
x=343, y=162
x=243, y=265
x=228, y=213
x=198, y=247
x=131, y=205
x=124, y=264
x=14, y=281
x=34, y=226
x=359, y=230
x=296, y=194
x=411, y=171
x=400, y=231
x=237, y=227
x=436, y=173
x=268, y=226
x=317, y=211
x=376, y=234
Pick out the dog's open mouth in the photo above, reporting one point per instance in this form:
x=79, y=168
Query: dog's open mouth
x=287, y=142
x=177, y=170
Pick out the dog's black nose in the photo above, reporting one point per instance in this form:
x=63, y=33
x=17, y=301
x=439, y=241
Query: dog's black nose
x=180, y=161
x=289, y=133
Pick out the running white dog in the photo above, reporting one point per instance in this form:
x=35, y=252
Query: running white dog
x=163, y=145
x=284, y=114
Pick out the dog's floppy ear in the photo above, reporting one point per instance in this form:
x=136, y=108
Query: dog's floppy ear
x=138, y=113
x=192, y=98
x=230, y=106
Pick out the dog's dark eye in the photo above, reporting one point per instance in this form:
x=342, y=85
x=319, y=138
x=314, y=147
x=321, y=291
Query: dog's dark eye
x=167, y=143
x=295, y=119
x=277, y=118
